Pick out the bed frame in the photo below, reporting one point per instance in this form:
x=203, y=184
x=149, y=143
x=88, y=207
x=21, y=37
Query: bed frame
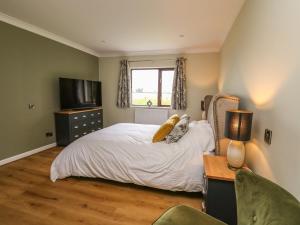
x=215, y=110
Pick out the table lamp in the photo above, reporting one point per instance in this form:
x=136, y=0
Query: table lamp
x=238, y=125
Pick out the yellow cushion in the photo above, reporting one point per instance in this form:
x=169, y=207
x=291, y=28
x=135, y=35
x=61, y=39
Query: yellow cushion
x=165, y=129
x=175, y=117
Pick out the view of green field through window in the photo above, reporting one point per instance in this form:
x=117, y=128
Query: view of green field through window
x=152, y=84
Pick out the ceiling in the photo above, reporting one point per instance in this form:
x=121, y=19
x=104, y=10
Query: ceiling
x=129, y=27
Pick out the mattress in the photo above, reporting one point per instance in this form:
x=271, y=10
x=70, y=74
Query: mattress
x=124, y=152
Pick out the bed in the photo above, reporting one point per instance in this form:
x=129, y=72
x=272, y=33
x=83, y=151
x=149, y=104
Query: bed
x=124, y=152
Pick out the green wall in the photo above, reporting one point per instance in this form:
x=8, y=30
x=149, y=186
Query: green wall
x=29, y=69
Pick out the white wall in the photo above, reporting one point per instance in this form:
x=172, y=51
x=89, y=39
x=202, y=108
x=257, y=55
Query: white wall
x=260, y=62
x=202, y=74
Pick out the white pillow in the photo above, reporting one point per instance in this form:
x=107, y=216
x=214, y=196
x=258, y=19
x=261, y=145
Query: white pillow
x=200, y=134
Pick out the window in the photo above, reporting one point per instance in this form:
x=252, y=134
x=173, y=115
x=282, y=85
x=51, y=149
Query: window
x=151, y=84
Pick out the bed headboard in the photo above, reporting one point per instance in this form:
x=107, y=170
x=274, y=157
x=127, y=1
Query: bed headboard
x=215, y=110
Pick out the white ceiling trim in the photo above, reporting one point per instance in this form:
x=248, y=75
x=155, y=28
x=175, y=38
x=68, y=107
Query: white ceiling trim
x=42, y=32
x=162, y=52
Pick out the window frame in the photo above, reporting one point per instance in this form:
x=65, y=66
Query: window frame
x=159, y=83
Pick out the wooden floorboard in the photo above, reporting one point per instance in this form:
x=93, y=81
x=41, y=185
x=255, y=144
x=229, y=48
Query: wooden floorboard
x=28, y=197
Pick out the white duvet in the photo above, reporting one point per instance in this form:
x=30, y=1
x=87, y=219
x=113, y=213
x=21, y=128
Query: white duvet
x=124, y=152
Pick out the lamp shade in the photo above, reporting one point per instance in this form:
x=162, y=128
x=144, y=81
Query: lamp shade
x=238, y=125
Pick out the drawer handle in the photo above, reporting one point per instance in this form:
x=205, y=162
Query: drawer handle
x=99, y=121
x=92, y=123
x=76, y=136
x=84, y=133
x=76, y=118
x=76, y=127
x=83, y=116
x=92, y=114
x=98, y=113
x=84, y=125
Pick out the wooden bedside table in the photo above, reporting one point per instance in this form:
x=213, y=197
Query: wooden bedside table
x=219, y=194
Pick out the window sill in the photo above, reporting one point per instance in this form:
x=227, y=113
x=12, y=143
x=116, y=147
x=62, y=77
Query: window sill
x=152, y=107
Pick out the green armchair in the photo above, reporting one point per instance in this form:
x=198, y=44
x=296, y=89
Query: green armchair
x=259, y=202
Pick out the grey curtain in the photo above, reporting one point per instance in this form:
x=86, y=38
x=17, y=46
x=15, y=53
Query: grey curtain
x=179, y=100
x=123, y=100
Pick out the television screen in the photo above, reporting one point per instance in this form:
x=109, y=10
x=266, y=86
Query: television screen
x=77, y=94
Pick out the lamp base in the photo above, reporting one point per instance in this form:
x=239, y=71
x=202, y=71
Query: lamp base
x=235, y=154
x=232, y=168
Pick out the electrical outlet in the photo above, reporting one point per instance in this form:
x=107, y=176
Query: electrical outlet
x=268, y=136
x=49, y=134
x=31, y=106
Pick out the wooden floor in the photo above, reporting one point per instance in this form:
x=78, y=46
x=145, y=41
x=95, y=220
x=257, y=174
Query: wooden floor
x=28, y=197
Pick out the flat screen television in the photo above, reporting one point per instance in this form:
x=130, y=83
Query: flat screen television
x=79, y=94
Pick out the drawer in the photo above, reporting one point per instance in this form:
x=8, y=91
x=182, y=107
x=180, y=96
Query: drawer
x=84, y=115
x=97, y=127
x=97, y=121
x=75, y=117
x=95, y=114
x=93, y=129
x=92, y=123
x=92, y=114
x=220, y=201
x=84, y=132
x=74, y=136
x=79, y=116
x=77, y=134
x=79, y=125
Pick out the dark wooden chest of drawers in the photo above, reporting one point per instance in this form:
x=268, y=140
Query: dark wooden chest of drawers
x=71, y=125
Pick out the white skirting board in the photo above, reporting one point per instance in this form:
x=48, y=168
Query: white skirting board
x=25, y=154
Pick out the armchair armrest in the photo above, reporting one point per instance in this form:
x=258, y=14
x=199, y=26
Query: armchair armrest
x=184, y=215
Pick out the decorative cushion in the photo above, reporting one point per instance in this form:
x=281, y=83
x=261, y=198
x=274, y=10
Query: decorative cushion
x=184, y=116
x=179, y=130
x=165, y=129
x=183, y=215
x=262, y=202
x=175, y=117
